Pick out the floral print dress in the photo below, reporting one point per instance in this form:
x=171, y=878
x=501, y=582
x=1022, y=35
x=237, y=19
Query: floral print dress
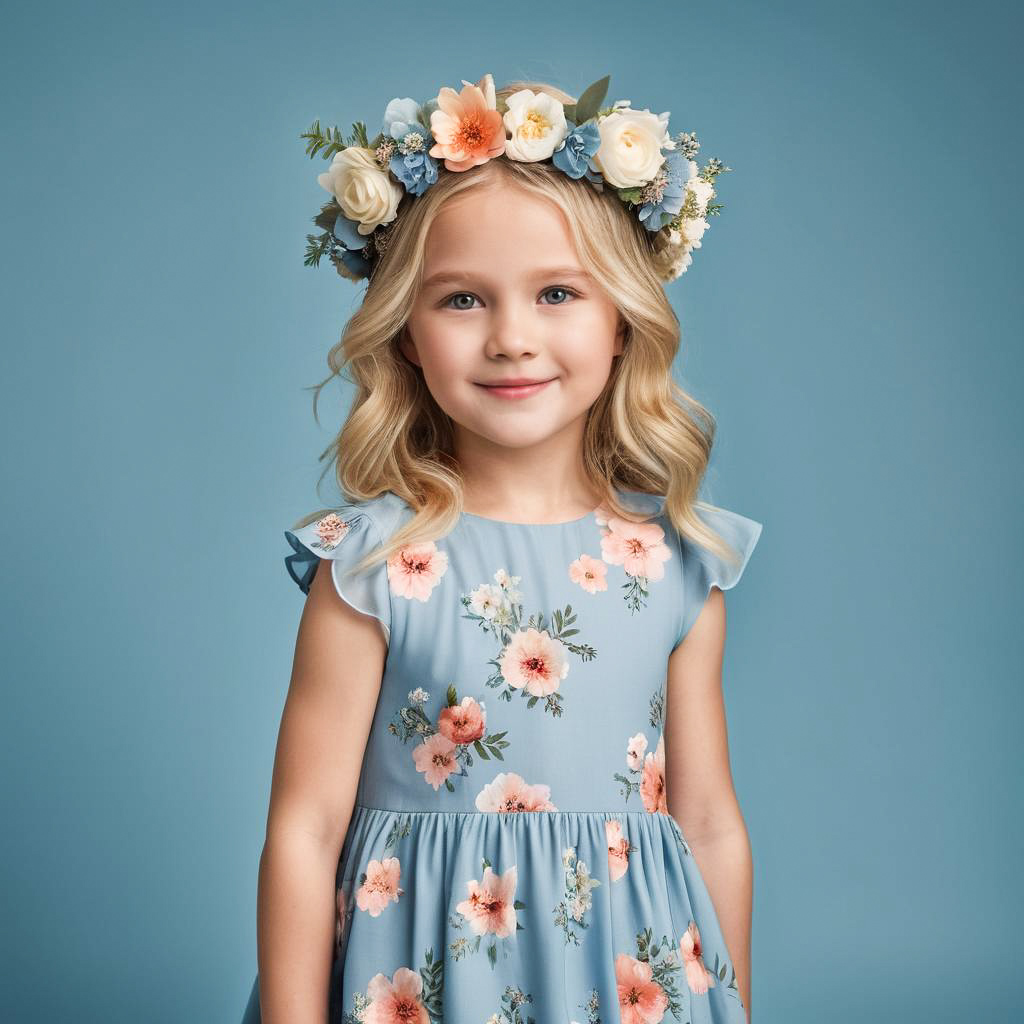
x=510, y=857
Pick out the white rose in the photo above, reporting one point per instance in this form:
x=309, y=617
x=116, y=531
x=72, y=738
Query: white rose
x=702, y=192
x=631, y=142
x=693, y=229
x=536, y=124
x=365, y=193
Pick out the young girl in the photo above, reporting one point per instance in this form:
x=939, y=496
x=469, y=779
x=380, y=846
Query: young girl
x=502, y=788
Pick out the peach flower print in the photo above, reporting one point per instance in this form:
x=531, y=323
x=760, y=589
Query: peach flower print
x=652, y=785
x=618, y=849
x=590, y=573
x=467, y=128
x=639, y=548
x=641, y=999
x=534, y=660
x=435, y=757
x=331, y=530
x=380, y=886
x=490, y=906
x=698, y=977
x=635, y=751
x=396, y=1000
x=463, y=723
x=414, y=570
x=510, y=792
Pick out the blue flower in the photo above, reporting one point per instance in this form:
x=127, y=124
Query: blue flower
x=414, y=168
x=654, y=216
x=347, y=233
x=573, y=156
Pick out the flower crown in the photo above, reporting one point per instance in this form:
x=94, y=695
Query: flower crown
x=626, y=149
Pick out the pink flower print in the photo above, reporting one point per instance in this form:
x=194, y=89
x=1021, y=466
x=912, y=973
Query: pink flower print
x=641, y=999
x=380, y=887
x=618, y=849
x=510, y=792
x=534, y=660
x=698, y=977
x=463, y=723
x=435, y=757
x=396, y=1000
x=331, y=530
x=639, y=548
x=467, y=128
x=416, y=569
x=490, y=907
x=652, y=786
x=590, y=573
x=635, y=751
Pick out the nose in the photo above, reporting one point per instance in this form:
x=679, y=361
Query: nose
x=510, y=333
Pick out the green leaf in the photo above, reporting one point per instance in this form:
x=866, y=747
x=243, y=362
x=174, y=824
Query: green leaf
x=479, y=747
x=590, y=102
x=451, y=695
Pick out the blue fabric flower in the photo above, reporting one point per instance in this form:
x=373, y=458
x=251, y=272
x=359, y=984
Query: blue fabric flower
x=353, y=243
x=417, y=171
x=654, y=216
x=573, y=156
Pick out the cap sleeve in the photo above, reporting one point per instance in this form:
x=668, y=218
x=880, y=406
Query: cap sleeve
x=702, y=569
x=344, y=536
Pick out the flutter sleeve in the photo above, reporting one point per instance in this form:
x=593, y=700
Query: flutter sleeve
x=702, y=569
x=344, y=536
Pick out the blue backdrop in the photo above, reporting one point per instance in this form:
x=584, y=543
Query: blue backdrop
x=853, y=320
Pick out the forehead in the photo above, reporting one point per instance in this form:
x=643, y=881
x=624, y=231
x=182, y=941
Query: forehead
x=499, y=231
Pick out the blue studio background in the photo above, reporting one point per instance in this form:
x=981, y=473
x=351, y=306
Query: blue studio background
x=853, y=320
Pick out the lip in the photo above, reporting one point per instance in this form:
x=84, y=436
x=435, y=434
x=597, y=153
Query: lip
x=515, y=387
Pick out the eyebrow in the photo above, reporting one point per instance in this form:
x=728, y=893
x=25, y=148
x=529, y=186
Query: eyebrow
x=454, y=276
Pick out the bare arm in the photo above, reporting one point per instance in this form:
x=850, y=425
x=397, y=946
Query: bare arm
x=698, y=778
x=336, y=676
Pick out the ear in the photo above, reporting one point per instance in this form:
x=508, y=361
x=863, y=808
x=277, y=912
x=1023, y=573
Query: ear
x=620, y=336
x=407, y=346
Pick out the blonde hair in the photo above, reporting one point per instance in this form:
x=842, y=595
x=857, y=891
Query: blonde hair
x=644, y=433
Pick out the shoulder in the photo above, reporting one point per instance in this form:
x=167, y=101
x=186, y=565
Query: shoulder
x=343, y=534
x=378, y=517
x=703, y=568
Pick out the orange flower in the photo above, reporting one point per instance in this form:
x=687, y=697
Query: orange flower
x=467, y=128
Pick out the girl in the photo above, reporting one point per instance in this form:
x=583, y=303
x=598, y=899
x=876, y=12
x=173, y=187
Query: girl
x=502, y=787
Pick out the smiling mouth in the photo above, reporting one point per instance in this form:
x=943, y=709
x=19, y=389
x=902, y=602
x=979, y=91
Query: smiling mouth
x=515, y=390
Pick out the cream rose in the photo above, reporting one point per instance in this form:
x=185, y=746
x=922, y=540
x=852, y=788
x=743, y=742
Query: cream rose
x=631, y=142
x=536, y=126
x=365, y=193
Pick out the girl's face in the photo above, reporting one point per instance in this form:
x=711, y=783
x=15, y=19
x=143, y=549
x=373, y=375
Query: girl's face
x=514, y=338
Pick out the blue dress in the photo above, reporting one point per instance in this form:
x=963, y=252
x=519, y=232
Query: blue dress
x=510, y=857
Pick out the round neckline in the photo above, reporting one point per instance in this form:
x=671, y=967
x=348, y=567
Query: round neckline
x=512, y=522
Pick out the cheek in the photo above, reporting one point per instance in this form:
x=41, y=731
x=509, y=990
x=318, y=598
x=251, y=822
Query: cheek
x=586, y=351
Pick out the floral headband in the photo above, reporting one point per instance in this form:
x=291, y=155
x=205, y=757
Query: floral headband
x=629, y=150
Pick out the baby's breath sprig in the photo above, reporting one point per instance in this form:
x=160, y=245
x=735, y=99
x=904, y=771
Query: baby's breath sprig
x=712, y=169
x=687, y=144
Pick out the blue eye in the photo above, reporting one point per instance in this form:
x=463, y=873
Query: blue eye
x=553, y=288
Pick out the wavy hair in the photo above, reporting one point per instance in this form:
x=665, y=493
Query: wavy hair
x=644, y=433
